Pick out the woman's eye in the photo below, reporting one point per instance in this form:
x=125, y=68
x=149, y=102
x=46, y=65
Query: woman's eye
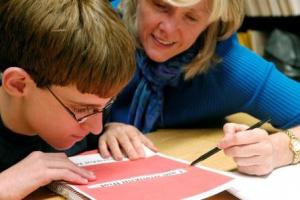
x=192, y=18
x=159, y=5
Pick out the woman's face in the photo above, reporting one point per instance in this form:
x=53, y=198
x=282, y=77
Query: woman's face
x=165, y=30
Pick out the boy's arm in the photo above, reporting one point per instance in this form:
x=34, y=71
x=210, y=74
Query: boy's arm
x=39, y=169
x=120, y=139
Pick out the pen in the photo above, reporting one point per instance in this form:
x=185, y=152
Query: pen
x=217, y=149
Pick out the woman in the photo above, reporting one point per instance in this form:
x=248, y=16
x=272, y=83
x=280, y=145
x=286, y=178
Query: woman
x=191, y=70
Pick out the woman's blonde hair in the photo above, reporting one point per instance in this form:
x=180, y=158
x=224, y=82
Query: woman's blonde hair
x=226, y=17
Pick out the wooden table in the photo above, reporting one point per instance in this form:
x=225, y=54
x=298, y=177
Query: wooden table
x=185, y=144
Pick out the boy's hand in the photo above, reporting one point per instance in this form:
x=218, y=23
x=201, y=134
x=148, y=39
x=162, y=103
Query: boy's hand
x=119, y=138
x=39, y=169
x=252, y=150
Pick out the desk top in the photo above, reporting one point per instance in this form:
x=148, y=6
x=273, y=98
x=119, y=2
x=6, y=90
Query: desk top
x=185, y=144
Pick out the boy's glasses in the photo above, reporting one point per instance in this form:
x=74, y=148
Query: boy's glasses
x=86, y=115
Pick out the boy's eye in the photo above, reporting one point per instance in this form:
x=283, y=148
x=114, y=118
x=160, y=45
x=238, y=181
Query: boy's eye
x=87, y=110
x=80, y=110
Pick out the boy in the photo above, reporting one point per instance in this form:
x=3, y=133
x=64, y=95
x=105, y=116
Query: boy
x=62, y=62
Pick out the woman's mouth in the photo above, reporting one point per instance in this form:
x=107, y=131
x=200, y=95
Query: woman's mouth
x=162, y=42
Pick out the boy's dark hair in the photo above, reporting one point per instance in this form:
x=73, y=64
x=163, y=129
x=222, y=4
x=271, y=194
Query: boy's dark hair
x=67, y=42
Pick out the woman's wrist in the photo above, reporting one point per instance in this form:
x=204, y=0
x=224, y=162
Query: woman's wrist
x=282, y=153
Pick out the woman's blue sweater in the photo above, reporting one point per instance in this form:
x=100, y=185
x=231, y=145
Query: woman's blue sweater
x=241, y=82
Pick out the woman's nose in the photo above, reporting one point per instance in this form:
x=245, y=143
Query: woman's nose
x=168, y=26
x=171, y=22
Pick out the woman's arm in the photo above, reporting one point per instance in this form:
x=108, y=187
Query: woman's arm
x=255, y=151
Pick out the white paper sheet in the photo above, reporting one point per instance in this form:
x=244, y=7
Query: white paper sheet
x=282, y=183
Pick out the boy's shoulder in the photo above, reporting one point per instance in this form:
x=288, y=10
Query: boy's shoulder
x=14, y=147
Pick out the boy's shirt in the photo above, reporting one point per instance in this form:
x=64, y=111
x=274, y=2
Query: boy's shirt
x=14, y=147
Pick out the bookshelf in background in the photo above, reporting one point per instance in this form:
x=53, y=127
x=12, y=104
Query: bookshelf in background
x=290, y=24
x=254, y=31
x=268, y=8
x=262, y=18
x=254, y=40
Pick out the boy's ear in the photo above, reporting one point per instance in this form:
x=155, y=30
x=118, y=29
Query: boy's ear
x=16, y=81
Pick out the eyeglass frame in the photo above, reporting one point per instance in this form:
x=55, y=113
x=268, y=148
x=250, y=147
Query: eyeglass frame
x=84, y=118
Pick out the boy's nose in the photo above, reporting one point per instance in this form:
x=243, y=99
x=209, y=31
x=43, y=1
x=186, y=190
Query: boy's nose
x=94, y=124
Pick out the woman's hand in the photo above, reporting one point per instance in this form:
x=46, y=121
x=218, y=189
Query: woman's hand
x=252, y=150
x=39, y=169
x=121, y=139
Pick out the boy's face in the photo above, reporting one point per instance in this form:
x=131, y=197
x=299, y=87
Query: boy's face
x=48, y=112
